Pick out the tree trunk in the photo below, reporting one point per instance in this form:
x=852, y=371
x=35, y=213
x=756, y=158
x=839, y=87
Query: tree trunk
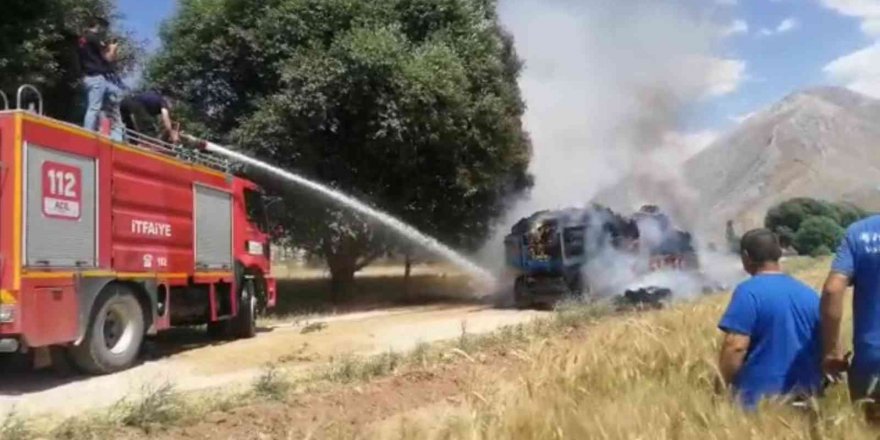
x=342, y=269
x=406, y=272
x=348, y=257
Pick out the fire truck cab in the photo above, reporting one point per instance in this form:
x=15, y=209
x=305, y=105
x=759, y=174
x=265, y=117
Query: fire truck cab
x=102, y=243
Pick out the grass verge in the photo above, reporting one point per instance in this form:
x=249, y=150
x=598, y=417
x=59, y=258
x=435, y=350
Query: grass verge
x=649, y=375
x=271, y=383
x=161, y=406
x=14, y=427
x=623, y=377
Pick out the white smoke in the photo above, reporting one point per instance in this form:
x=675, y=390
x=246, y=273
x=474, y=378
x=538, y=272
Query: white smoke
x=608, y=85
x=605, y=84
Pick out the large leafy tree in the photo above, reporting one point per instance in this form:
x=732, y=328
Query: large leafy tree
x=411, y=105
x=805, y=223
x=38, y=41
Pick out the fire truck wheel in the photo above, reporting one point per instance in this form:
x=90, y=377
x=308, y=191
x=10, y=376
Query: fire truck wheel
x=116, y=331
x=244, y=325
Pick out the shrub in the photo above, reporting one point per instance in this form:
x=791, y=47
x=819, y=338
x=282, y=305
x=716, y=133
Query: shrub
x=786, y=236
x=789, y=219
x=158, y=406
x=849, y=213
x=821, y=251
x=271, y=383
x=817, y=232
x=792, y=213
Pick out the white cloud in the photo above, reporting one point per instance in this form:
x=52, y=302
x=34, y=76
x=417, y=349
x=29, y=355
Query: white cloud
x=859, y=71
x=871, y=26
x=868, y=11
x=739, y=119
x=785, y=26
x=724, y=75
x=737, y=27
x=727, y=2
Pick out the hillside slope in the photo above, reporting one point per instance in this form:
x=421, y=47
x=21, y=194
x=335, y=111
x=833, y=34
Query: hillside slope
x=821, y=142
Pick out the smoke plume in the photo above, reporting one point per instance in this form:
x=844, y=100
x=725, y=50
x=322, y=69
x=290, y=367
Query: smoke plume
x=605, y=84
x=608, y=85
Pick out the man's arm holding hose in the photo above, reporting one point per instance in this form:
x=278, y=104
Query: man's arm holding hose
x=169, y=126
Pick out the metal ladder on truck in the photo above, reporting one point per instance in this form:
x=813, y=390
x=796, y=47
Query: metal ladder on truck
x=34, y=106
x=29, y=98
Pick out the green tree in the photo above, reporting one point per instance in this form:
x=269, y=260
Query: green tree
x=38, y=45
x=821, y=251
x=786, y=236
x=816, y=232
x=411, y=105
x=849, y=213
x=791, y=213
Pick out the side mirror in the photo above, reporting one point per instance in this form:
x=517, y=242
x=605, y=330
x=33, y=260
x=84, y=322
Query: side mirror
x=274, y=207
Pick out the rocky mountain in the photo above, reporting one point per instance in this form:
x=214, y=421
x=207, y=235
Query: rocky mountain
x=822, y=143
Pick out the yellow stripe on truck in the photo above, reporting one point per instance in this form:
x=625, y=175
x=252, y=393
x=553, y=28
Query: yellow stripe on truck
x=6, y=297
x=16, y=208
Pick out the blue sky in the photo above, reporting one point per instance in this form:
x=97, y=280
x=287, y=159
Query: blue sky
x=144, y=17
x=781, y=58
x=784, y=45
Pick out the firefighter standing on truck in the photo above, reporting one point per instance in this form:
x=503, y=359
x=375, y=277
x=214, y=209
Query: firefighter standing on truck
x=97, y=59
x=140, y=110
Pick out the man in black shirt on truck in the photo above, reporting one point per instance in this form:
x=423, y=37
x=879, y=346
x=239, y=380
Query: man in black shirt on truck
x=140, y=110
x=97, y=60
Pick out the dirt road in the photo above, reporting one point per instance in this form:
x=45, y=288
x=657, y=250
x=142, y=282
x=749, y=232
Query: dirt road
x=190, y=361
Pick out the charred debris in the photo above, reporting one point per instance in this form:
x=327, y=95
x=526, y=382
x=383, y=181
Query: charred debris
x=551, y=251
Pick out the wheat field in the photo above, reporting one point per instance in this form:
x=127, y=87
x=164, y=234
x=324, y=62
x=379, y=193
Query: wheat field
x=647, y=376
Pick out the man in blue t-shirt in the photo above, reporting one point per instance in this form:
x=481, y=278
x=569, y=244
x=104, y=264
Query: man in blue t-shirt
x=857, y=263
x=771, y=344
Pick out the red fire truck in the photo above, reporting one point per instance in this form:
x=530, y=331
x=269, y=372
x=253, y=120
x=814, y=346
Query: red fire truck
x=102, y=243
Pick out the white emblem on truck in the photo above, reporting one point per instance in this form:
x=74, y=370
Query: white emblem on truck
x=154, y=229
x=62, y=192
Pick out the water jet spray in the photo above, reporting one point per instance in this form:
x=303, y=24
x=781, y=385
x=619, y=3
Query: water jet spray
x=413, y=234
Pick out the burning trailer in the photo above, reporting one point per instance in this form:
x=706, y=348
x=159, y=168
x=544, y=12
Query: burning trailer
x=550, y=251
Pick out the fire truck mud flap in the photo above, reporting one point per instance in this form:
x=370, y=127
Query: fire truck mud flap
x=89, y=289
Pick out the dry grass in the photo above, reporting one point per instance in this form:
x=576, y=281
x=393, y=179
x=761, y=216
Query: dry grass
x=159, y=405
x=648, y=376
x=272, y=383
x=14, y=428
x=589, y=375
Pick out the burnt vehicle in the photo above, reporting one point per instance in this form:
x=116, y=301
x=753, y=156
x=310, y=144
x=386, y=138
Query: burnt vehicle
x=549, y=250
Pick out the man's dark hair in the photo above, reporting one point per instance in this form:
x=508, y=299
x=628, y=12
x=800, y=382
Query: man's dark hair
x=761, y=246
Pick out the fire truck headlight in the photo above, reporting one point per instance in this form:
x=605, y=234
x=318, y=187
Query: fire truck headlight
x=7, y=313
